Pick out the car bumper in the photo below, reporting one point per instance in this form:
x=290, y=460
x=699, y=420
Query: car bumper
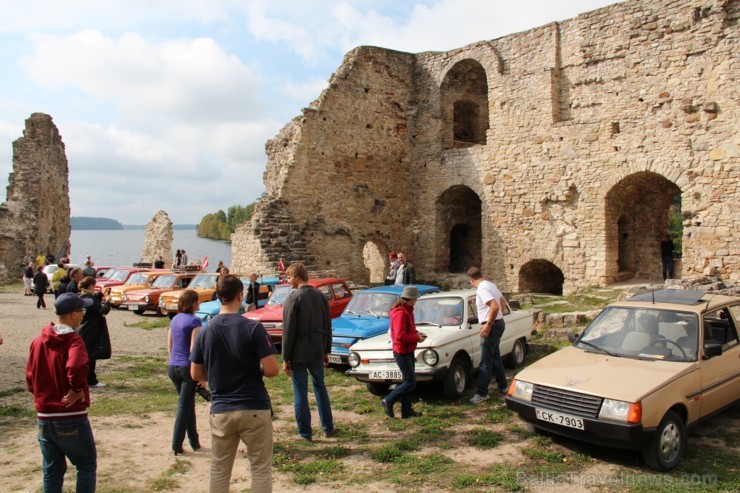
x=596, y=431
x=136, y=306
x=423, y=374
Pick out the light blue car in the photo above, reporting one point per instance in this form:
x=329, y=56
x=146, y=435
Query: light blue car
x=366, y=315
x=210, y=309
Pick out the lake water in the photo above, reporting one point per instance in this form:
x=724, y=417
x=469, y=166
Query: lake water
x=123, y=247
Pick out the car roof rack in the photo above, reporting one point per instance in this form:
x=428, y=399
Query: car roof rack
x=674, y=296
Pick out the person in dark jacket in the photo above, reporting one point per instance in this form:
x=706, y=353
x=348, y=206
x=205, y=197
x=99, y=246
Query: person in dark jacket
x=405, y=272
x=40, y=285
x=28, y=273
x=94, y=329
x=55, y=375
x=253, y=293
x=405, y=339
x=306, y=347
x=73, y=285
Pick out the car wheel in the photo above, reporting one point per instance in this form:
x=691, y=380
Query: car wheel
x=456, y=380
x=518, y=352
x=139, y=312
x=379, y=389
x=158, y=311
x=665, y=451
x=171, y=315
x=533, y=430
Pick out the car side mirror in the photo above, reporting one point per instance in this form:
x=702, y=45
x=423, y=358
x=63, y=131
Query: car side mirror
x=712, y=349
x=573, y=336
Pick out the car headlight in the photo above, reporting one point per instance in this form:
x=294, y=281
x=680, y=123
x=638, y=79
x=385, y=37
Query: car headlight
x=161, y=302
x=146, y=298
x=626, y=412
x=522, y=390
x=353, y=359
x=430, y=357
x=123, y=296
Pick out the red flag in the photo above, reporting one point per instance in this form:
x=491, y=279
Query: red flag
x=281, y=265
x=205, y=262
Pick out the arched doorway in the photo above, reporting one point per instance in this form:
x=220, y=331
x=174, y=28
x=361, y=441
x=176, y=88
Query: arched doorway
x=464, y=99
x=459, y=217
x=541, y=276
x=637, y=214
x=374, y=263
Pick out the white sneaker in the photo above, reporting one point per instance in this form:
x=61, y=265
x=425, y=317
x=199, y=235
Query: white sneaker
x=477, y=399
x=98, y=385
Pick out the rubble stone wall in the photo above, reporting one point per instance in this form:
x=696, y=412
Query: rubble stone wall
x=158, y=239
x=569, y=142
x=35, y=215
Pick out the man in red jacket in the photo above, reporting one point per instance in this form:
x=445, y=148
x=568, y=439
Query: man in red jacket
x=57, y=376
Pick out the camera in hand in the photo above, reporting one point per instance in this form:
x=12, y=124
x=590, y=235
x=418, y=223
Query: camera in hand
x=203, y=392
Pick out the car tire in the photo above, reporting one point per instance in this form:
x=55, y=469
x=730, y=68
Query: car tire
x=139, y=312
x=158, y=312
x=518, y=352
x=533, y=430
x=667, y=447
x=171, y=315
x=456, y=379
x=379, y=389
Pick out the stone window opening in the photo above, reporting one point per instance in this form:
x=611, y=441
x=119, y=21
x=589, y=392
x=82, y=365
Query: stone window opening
x=541, y=276
x=464, y=101
x=374, y=263
x=465, y=121
x=460, y=229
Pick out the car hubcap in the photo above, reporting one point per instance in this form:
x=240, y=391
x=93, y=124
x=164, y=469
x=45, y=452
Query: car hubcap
x=460, y=380
x=669, y=442
x=518, y=352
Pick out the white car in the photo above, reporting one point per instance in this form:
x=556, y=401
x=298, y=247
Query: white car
x=451, y=352
x=50, y=269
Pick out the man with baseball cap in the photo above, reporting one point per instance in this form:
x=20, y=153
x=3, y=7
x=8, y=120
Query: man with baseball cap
x=56, y=375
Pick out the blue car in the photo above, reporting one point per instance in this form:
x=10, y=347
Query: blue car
x=210, y=309
x=366, y=315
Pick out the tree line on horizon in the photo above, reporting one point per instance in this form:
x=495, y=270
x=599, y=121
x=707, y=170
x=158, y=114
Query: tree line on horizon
x=220, y=225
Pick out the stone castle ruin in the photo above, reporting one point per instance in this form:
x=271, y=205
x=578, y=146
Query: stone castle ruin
x=158, y=239
x=35, y=215
x=550, y=157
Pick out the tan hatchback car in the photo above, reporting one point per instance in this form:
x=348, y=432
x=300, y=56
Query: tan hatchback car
x=642, y=372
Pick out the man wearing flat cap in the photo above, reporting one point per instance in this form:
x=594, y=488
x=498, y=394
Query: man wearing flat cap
x=56, y=374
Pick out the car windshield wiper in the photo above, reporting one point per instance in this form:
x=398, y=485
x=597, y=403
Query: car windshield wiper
x=371, y=312
x=428, y=323
x=599, y=348
x=351, y=312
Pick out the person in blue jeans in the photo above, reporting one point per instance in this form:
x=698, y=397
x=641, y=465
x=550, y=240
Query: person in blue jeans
x=180, y=336
x=306, y=347
x=405, y=339
x=56, y=375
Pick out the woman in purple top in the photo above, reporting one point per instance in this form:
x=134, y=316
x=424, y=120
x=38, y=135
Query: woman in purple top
x=180, y=337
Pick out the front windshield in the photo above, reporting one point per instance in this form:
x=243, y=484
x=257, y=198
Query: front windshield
x=439, y=311
x=372, y=304
x=645, y=333
x=204, y=282
x=119, y=275
x=164, y=282
x=136, y=280
x=279, y=293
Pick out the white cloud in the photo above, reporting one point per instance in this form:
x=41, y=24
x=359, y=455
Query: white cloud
x=304, y=92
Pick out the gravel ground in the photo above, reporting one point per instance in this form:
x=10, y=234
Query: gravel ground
x=23, y=322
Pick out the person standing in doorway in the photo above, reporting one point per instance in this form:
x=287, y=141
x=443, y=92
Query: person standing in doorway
x=666, y=256
x=56, y=376
x=490, y=303
x=234, y=354
x=406, y=273
x=306, y=346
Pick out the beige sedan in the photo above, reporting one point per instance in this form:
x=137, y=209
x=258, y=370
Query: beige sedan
x=641, y=373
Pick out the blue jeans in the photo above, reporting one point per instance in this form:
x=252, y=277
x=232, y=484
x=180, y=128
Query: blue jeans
x=490, y=360
x=300, y=399
x=402, y=392
x=60, y=439
x=185, y=419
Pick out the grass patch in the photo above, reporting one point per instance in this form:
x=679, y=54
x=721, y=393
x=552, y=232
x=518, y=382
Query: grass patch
x=309, y=472
x=12, y=392
x=15, y=411
x=157, y=323
x=482, y=438
x=499, y=414
x=394, y=452
x=166, y=480
x=428, y=469
x=502, y=475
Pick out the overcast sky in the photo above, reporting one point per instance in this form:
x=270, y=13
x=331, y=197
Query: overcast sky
x=167, y=104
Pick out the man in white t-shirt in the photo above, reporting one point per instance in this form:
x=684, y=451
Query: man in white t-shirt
x=490, y=303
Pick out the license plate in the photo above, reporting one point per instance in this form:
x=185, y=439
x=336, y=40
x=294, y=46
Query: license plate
x=385, y=375
x=337, y=360
x=559, y=419
x=171, y=307
x=133, y=307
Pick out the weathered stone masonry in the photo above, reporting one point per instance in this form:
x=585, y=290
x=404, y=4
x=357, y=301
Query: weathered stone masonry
x=35, y=215
x=549, y=156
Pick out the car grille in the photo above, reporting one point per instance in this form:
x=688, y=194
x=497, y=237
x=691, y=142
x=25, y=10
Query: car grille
x=566, y=401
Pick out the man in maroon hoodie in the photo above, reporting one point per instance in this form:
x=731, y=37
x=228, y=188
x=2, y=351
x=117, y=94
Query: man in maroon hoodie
x=57, y=376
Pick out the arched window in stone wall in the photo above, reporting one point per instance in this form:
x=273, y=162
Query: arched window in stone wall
x=374, y=263
x=464, y=99
x=636, y=217
x=541, y=276
x=459, y=220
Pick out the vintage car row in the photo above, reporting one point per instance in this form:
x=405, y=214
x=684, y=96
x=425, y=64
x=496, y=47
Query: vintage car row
x=147, y=299
x=451, y=352
x=639, y=375
x=210, y=309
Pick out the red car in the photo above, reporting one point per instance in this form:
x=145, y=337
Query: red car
x=116, y=276
x=335, y=290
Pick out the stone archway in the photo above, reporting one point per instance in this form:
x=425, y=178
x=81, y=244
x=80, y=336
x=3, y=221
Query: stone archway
x=464, y=99
x=541, y=276
x=374, y=263
x=636, y=216
x=459, y=220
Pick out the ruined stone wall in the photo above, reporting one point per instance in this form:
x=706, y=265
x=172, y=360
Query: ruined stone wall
x=158, y=238
x=567, y=143
x=35, y=215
